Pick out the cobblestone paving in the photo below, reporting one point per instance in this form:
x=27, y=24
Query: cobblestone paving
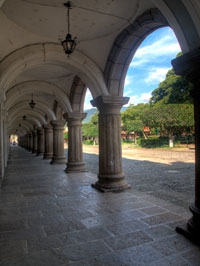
x=173, y=182
x=50, y=218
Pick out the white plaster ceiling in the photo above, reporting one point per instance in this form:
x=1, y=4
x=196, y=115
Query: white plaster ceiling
x=54, y=74
x=95, y=23
x=48, y=18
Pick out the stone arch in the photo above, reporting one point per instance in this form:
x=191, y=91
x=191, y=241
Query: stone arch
x=40, y=106
x=77, y=94
x=32, y=55
x=27, y=126
x=184, y=19
x=30, y=117
x=33, y=120
x=125, y=46
x=15, y=92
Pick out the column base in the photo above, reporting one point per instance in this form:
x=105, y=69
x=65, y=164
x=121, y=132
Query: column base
x=34, y=151
x=111, y=183
x=40, y=153
x=75, y=168
x=56, y=160
x=48, y=156
x=192, y=232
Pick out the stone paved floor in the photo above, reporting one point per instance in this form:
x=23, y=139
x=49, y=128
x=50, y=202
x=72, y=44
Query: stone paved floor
x=172, y=182
x=49, y=218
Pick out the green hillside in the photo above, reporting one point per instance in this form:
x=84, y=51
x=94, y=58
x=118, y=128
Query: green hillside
x=91, y=112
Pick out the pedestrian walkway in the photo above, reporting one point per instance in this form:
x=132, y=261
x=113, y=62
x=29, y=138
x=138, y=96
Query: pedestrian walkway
x=50, y=218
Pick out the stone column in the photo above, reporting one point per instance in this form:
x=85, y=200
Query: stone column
x=58, y=142
x=111, y=176
x=40, y=150
x=75, y=152
x=188, y=65
x=30, y=146
x=48, y=147
x=35, y=141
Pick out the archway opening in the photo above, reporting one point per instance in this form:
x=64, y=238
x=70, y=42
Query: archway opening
x=158, y=124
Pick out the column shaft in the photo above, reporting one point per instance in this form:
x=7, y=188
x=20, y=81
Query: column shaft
x=35, y=141
x=58, y=142
x=75, y=151
x=30, y=142
x=48, y=151
x=188, y=65
x=111, y=176
x=40, y=150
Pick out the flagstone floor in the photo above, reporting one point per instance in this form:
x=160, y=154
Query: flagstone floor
x=50, y=218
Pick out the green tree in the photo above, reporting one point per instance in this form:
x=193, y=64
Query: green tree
x=90, y=130
x=170, y=118
x=132, y=119
x=173, y=90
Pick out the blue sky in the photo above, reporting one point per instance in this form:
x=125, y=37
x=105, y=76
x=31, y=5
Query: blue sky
x=149, y=66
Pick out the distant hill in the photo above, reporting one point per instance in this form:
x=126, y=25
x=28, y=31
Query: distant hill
x=91, y=112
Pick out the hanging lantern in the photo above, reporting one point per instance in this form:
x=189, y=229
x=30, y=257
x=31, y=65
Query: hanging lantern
x=32, y=103
x=68, y=43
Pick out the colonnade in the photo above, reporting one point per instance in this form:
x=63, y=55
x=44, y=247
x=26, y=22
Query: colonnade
x=48, y=142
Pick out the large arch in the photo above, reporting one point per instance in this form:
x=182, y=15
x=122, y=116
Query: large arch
x=31, y=116
x=77, y=94
x=125, y=46
x=22, y=106
x=184, y=19
x=31, y=56
x=35, y=86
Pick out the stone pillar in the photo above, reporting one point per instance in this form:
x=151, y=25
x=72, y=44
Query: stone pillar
x=35, y=141
x=40, y=150
x=111, y=176
x=48, y=147
x=30, y=143
x=58, y=142
x=188, y=65
x=27, y=141
x=75, y=152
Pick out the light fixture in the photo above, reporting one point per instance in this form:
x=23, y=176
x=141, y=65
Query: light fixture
x=20, y=125
x=32, y=103
x=68, y=44
x=24, y=117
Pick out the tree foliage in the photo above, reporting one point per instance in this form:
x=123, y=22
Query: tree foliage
x=91, y=129
x=170, y=118
x=132, y=120
x=173, y=90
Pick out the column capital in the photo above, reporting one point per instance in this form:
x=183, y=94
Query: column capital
x=40, y=130
x=47, y=126
x=34, y=132
x=74, y=116
x=109, y=104
x=58, y=123
x=188, y=65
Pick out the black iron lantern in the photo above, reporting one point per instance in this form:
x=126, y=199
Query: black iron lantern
x=32, y=103
x=24, y=117
x=20, y=125
x=69, y=43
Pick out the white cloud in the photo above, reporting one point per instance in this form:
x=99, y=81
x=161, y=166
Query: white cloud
x=88, y=98
x=156, y=75
x=88, y=106
x=167, y=45
x=138, y=62
x=143, y=98
x=128, y=80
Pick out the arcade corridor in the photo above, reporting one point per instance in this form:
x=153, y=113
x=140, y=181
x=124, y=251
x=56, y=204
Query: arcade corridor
x=50, y=218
